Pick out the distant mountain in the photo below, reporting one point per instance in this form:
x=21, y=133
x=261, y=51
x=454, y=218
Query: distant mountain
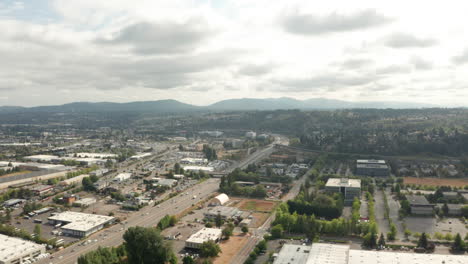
x=309, y=104
x=244, y=104
x=161, y=106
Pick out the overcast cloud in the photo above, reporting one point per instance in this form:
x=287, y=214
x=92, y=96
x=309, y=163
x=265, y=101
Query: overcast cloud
x=200, y=51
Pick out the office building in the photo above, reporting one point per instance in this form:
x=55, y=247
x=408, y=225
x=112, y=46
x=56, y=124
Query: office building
x=372, y=168
x=350, y=188
x=206, y=234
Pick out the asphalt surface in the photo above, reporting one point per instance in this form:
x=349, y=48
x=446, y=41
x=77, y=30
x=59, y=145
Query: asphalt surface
x=148, y=216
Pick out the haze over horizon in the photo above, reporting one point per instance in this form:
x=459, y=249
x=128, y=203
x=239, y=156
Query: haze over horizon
x=204, y=51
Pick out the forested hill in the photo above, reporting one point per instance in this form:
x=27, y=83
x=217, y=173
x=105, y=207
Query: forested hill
x=245, y=104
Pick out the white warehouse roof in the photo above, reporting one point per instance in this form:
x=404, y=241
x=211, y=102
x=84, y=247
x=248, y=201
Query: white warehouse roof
x=204, y=235
x=12, y=248
x=222, y=198
x=81, y=221
x=386, y=257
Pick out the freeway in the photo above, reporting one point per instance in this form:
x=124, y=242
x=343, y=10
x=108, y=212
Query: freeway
x=148, y=216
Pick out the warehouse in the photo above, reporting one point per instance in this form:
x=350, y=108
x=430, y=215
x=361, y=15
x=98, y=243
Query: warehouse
x=419, y=205
x=220, y=199
x=14, y=250
x=223, y=211
x=80, y=224
x=372, y=168
x=122, y=177
x=320, y=253
x=198, y=168
x=350, y=188
x=204, y=235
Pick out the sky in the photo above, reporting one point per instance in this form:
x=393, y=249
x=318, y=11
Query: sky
x=203, y=51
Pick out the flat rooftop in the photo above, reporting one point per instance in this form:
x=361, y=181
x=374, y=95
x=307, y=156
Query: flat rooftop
x=343, y=182
x=328, y=253
x=384, y=257
x=224, y=211
x=204, y=235
x=370, y=161
x=417, y=200
x=13, y=248
x=296, y=254
x=371, y=166
x=81, y=221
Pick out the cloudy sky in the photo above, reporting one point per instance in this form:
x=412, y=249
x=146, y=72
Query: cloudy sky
x=202, y=51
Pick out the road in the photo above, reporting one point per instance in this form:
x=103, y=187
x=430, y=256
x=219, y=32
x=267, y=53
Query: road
x=148, y=216
x=257, y=234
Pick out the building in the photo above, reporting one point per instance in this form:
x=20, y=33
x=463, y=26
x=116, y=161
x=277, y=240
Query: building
x=204, y=235
x=165, y=182
x=372, y=168
x=122, y=177
x=220, y=199
x=69, y=199
x=224, y=211
x=350, y=188
x=195, y=161
x=85, y=202
x=42, y=189
x=419, y=205
x=13, y=202
x=450, y=195
x=320, y=253
x=43, y=158
x=141, y=156
x=80, y=224
x=95, y=155
x=296, y=254
x=15, y=250
x=251, y=135
x=99, y=172
x=198, y=168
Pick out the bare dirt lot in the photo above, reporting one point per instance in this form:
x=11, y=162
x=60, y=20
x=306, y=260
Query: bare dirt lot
x=256, y=205
x=229, y=248
x=259, y=219
x=436, y=181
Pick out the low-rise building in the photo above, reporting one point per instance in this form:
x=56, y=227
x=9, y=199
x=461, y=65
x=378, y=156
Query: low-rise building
x=204, y=235
x=42, y=189
x=85, y=202
x=99, y=172
x=198, y=168
x=220, y=199
x=15, y=250
x=121, y=177
x=450, y=195
x=372, y=168
x=350, y=188
x=419, y=205
x=224, y=212
x=80, y=224
x=290, y=253
x=251, y=135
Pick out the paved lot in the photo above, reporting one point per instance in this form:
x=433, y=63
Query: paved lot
x=380, y=212
x=421, y=224
x=394, y=206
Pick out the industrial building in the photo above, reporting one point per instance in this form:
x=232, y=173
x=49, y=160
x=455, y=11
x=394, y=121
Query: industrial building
x=198, y=168
x=206, y=234
x=350, y=188
x=43, y=158
x=80, y=224
x=419, y=205
x=220, y=199
x=99, y=172
x=224, y=211
x=164, y=182
x=42, y=189
x=15, y=250
x=141, y=156
x=320, y=253
x=122, y=177
x=372, y=168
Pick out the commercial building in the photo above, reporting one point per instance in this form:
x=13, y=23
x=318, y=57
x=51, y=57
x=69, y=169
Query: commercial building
x=224, y=211
x=95, y=155
x=99, y=172
x=80, y=224
x=15, y=251
x=165, y=182
x=204, y=235
x=251, y=135
x=196, y=161
x=220, y=199
x=13, y=202
x=320, y=253
x=289, y=254
x=42, y=189
x=141, y=156
x=350, y=188
x=372, y=168
x=419, y=205
x=198, y=168
x=43, y=158
x=122, y=177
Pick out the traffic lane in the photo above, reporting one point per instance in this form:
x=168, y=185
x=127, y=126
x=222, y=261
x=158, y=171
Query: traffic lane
x=148, y=216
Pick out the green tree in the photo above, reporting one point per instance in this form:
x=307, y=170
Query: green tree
x=381, y=242
x=188, y=260
x=218, y=220
x=146, y=245
x=245, y=229
x=87, y=184
x=227, y=232
x=458, y=244
x=209, y=249
x=38, y=231
x=422, y=242
x=277, y=231
x=445, y=209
